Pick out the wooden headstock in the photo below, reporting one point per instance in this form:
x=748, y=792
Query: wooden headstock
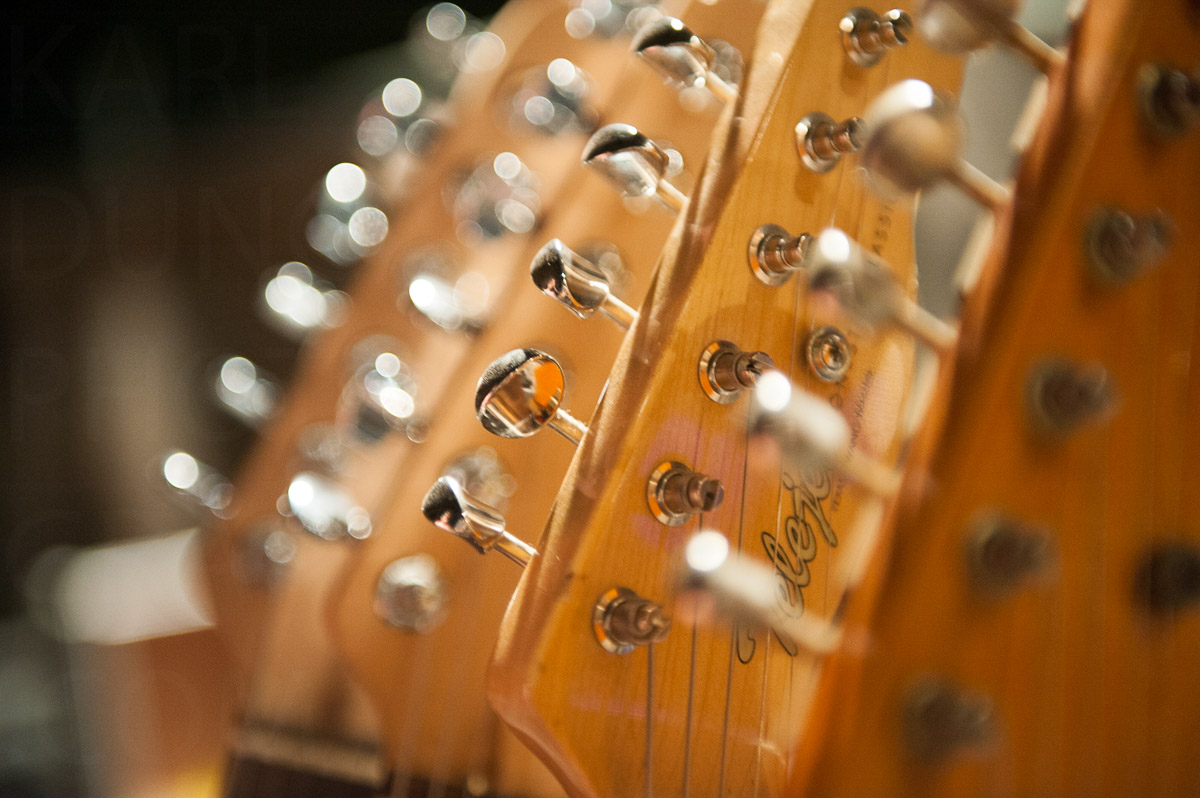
x=713, y=711
x=1033, y=625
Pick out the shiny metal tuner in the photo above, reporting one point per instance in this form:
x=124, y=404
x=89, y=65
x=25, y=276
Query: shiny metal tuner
x=682, y=58
x=200, y=486
x=580, y=285
x=411, y=594
x=633, y=163
x=553, y=99
x=914, y=137
x=1121, y=245
x=675, y=492
x=821, y=141
x=244, y=391
x=324, y=508
x=520, y=393
x=448, y=506
x=775, y=254
x=867, y=36
x=622, y=620
x=868, y=289
x=726, y=372
x=959, y=26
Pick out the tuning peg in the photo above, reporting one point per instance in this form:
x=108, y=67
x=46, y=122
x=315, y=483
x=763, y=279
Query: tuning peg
x=553, y=99
x=622, y=620
x=869, y=290
x=498, y=197
x=958, y=26
x=244, y=391
x=914, y=138
x=681, y=57
x=411, y=594
x=633, y=163
x=748, y=591
x=675, y=492
x=867, y=36
x=1170, y=100
x=200, y=485
x=520, y=393
x=810, y=433
x=609, y=19
x=299, y=302
x=325, y=509
x=726, y=371
x=578, y=284
x=451, y=508
x=775, y=254
x=381, y=395
x=821, y=141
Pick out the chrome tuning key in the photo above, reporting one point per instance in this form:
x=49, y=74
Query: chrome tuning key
x=554, y=99
x=807, y=432
x=1170, y=100
x=622, y=620
x=867, y=36
x=244, y=391
x=411, y=594
x=914, y=139
x=682, y=58
x=726, y=372
x=381, y=395
x=451, y=508
x=867, y=289
x=299, y=302
x=1120, y=245
x=580, y=285
x=958, y=26
x=745, y=590
x=675, y=492
x=520, y=393
x=199, y=485
x=821, y=141
x=324, y=508
x=633, y=163
x=775, y=254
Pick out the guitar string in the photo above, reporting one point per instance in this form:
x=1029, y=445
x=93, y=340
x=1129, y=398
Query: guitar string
x=687, y=732
x=733, y=630
x=648, y=764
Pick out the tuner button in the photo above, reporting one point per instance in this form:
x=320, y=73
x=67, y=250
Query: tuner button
x=1004, y=553
x=675, y=493
x=958, y=26
x=520, y=393
x=821, y=141
x=609, y=19
x=633, y=163
x=681, y=57
x=1121, y=246
x=1170, y=100
x=325, y=509
x=443, y=293
x=299, y=302
x=867, y=36
x=942, y=719
x=553, y=99
x=1063, y=395
x=914, y=138
x=244, y=391
x=379, y=398
x=497, y=198
x=448, y=506
x=200, y=486
x=578, y=284
x=775, y=254
x=622, y=620
x=411, y=594
x=726, y=371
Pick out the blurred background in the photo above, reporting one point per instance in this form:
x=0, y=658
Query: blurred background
x=159, y=163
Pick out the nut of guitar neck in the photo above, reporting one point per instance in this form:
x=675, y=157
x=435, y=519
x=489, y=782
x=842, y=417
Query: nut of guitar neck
x=448, y=506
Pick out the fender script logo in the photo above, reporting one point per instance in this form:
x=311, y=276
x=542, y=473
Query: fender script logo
x=792, y=554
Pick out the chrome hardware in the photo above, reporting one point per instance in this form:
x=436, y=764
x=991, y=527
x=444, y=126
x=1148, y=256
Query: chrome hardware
x=201, y=486
x=959, y=26
x=867, y=36
x=634, y=164
x=482, y=475
x=580, y=285
x=325, y=509
x=748, y=591
x=451, y=508
x=496, y=198
x=380, y=397
x=265, y=555
x=867, y=289
x=622, y=620
x=682, y=58
x=608, y=19
x=442, y=293
x=323, y=448
x=775, y=254
x=411, y=594
x=1121, y=246
x=520, y=393
x=1003, y=554
x=244, y=391
x=350, y=222
x=553, y=99
x=942, y=719
x=828, y=353
x=1063, y=395
x=1168, y=579
x=821, y=141
x=675, y=492
x=1169, y=100
x=299, y=302
x=807, y=432
x=726, y=371
x=914, y=137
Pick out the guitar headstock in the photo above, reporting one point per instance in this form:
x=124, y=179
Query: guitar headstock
x=1033, y=618
x=596, y=669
